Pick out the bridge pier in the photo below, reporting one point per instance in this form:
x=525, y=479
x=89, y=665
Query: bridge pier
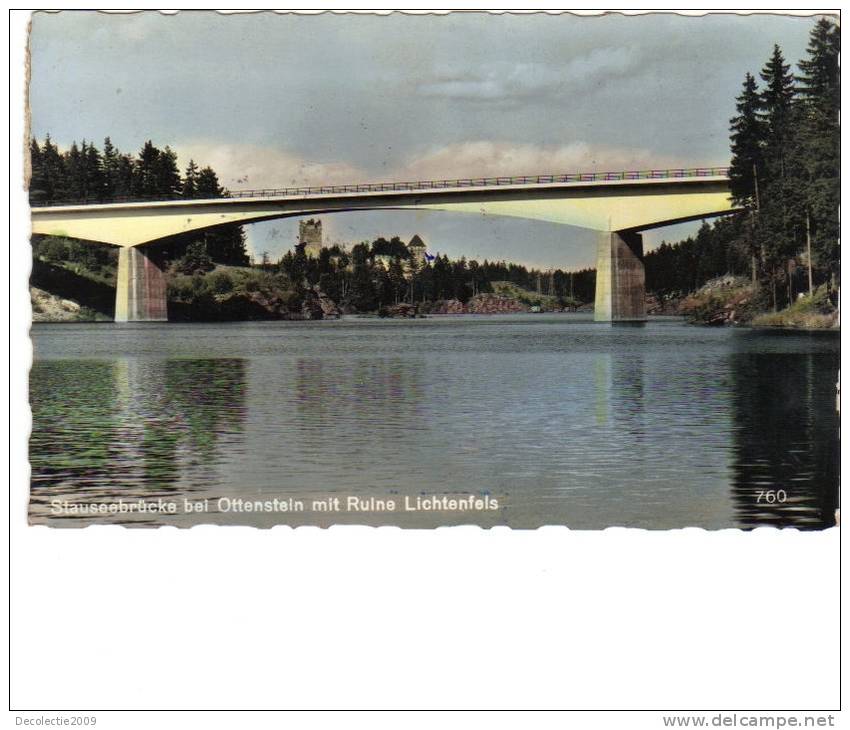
x=140, y=291
x=620, y=278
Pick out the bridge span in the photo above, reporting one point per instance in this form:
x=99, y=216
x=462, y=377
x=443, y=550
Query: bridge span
x=618, y=205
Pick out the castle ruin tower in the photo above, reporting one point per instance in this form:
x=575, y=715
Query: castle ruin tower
x=310, y=236
x=417, y=251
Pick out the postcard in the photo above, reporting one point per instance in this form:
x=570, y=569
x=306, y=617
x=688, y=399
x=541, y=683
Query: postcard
x=428, y=270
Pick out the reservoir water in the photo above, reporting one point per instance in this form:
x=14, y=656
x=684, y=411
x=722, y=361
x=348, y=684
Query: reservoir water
x=554, y=418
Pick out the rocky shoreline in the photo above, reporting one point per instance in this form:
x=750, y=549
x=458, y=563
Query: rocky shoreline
x=735, y=301
x=724, y=301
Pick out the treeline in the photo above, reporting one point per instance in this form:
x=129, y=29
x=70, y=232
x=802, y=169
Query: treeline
x=677, y=269
x=786, y=162
x=359, y=279
x=784, y=174
x=85, y=174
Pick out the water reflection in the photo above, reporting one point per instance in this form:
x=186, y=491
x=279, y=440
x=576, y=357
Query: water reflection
x=628, y=381
x=130, y=428
x=785, y=438
x=565, y=422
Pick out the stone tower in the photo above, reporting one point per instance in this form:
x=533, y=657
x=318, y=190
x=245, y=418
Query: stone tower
x=417, y=250
x=310, y=235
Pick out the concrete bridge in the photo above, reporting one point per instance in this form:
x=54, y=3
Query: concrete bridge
x=618, y=205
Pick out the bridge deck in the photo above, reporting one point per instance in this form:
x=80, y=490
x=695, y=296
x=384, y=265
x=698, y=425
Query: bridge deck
x=468, y=185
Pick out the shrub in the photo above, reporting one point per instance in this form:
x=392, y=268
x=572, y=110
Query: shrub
x=815, y=312
x=54, y=250
x=196, y=259
x=221, y=283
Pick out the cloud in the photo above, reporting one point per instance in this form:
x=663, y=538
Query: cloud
x=520, y=82
x=498, y=84
x=602, y=64
x=242, y=166
x=248, y=167
x=488, y=159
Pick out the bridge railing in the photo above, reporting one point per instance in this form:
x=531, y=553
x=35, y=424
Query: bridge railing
x=572, y=177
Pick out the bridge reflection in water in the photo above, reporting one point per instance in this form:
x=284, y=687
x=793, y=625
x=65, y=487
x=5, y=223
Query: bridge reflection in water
x=657, y=426
x=786, y=438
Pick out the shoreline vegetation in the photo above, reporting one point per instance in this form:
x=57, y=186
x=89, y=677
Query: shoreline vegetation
x=734, y=301
x=75, y=281
x=74, y=288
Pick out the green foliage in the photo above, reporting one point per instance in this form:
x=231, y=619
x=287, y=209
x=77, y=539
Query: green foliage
x=53, y=250
x=221, y=283
x=196, y=259
x=83, y=173
x=526, y=296
x=231, y=293
x=747, y=134
x=673, y=270
x=817, y=143
x=785, y=163
x=394, y=247
x=812, y=312
x=190, y=180
x=361, y=281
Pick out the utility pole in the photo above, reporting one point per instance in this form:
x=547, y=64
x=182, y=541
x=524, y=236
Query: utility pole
x=809, y=250
x=756, y=183
x=758, y=204
x=753, y=248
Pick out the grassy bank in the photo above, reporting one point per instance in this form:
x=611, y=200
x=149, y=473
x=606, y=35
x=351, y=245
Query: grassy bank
x=231, y=293
x=727, y=300
x=730, y=300
x=546, y=302
x=808, y=312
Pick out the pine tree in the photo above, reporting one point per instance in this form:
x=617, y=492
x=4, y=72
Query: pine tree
x=75, y=175
x=777, y=222
x=190, y=180
x=820, y=82
x=38, y=182
x=145, y=171
x=54, y=171
x=110, y=169
x=125, y=179
x=397, y=281
x=817, y=143
x=166, y=175
x=94, y=183
x=226, y=244
x=748, y=138
x=777, y=97
x=208, y=185
x=196, y=259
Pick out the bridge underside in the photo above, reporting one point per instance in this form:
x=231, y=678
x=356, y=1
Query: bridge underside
x=620, y=282
x=617, y=211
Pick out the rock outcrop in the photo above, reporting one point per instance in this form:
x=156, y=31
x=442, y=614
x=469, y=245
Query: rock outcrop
x=726, y=300
x=402, y=310
x=495, y=304
x=47, y=307
x=479, y=304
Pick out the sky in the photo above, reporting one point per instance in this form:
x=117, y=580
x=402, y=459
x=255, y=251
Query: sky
x=272, y=99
